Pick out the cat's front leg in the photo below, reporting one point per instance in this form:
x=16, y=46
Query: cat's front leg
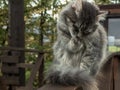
x=73, y=33
x=75, y=40
x=74, y=45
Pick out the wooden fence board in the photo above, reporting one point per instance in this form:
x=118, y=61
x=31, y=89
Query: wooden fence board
x=9, y=59
x=105, y=78
x=29, y=84
x=116, y=73
x=10, y=69
x=56, y=87
x=111, y=73
x=11, y=80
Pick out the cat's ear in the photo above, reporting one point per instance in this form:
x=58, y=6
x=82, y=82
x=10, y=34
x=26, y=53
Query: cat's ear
x=77, y=6
x=101, y=15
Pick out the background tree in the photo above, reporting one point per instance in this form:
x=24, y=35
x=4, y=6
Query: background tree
x=3, y=22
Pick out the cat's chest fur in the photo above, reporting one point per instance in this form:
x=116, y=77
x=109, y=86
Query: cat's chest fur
x=77, y=59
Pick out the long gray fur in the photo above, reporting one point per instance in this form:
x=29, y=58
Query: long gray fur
x=80, y=47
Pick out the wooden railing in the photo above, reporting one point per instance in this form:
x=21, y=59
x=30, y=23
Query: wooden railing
x=109, y=76
x=11, y=65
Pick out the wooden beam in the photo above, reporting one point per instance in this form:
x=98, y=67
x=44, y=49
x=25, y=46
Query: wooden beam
x=23, y=49
x=57, y=87
x=11, y=80
x=16, y=37
x=116, y=72
x=25, y=65
x=105, y=78
x=9, y=59
x=6, y=69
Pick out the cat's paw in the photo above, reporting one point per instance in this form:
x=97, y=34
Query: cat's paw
x=75, y=40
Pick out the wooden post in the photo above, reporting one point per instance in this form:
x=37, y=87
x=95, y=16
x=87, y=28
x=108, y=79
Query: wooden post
x=41, y=70
x=56, y=87
x=16, y=32
x=116, y=73
x=2, y=84
x=105, y=80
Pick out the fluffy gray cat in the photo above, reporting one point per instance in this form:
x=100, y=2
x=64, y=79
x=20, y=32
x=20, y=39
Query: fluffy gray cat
x=80, y=46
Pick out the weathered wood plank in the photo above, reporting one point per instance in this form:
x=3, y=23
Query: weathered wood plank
x=16, y=32
x=23, y=49
x=106, y=78
x=116, y=73
x=34, y=72
x=25, y=65
x=9, y=59
x=2, y=84
x=57, y=87
x=41, y=70
x=10, y=69
x=11, y=80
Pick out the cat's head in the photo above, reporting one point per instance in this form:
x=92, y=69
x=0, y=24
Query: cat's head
x=88, y=14
x=82, y=7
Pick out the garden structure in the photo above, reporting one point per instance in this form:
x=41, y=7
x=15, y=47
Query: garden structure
x=13, y=56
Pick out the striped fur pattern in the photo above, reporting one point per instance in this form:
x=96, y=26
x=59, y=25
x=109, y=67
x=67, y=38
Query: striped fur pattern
x=80, y=46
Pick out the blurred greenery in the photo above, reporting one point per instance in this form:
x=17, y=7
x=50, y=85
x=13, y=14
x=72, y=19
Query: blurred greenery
x=113, y=49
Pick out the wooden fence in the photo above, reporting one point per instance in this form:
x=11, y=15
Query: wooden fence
x=109, y=76
x=11, y=65
x=111, y=73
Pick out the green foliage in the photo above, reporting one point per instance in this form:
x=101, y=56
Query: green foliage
x=3, y=22
x=113, y=49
